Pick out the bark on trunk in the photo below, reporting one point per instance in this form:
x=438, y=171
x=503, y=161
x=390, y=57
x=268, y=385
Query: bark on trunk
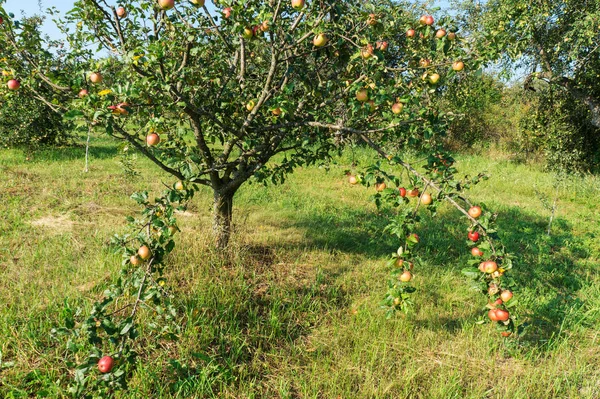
x=222, y=215
x=591, y=102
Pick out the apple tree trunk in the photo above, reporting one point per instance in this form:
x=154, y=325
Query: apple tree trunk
x=222, y=215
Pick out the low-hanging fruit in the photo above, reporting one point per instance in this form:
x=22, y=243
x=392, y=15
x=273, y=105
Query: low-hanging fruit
x=426, y=199
x=490, y=266
x=144, y=252
x=152, y=139
x=424, y=63
x=372, y=21
x=440, y=33
x=277, y=111
x=405, y=277
x=248, y=33
x=320, y=40
x=473, y=236
x=451, y=36
x=134, y=260
x=413, y=193
x=475, y=212
x=105, y=364
x=380, y=186
x=352, y=179
x=13, y=84
x=367, y=51
x=250, y=105
x=502, y=315
x=402, y=192
x=426, y=20
x=506, y=295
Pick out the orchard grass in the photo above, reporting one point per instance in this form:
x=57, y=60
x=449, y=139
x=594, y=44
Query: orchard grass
x=292, y=311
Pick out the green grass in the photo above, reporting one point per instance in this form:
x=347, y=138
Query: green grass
x=294, y=311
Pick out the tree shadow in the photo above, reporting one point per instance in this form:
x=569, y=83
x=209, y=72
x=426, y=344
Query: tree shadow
x=72, y=153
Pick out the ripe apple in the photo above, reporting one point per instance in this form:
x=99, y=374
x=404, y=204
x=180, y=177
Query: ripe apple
x=122, y=108
x=492, y=314
x=277, y=111
x=490, y=266
x=399, y=262
x=506, y=295
x=434, y=78
x=198, y=3
x=362, y=95
x=250, y=105
x=367, y=52
x=426, y=20
x=382, y=45
x=502, y=315
x=410, y=33
x=475, y=212
x=473, y=236
x=96, y=77
x=498, y=302
x=506, y=333
x=458, y=66
x=352, y=179
x=451, y=36
x=402, y=191
x=179, y=185
x=105, y=364
x=426, y=199
x=298, y=4
x=144, y=252
x=134, y=260
x=82, y=93
x=380, y=186
x=405, y=277
x=13, y=84
x=424, y=63
x=413, y=193
x=476, y=251
x=227, y=12
x=440, y=33
x=372, y=20
x=320, y=40
x=264, y=27
x=397, y=108
x=121, y=12
x=1, y=20
x=482, y=267
x=248, y=33
x=152, y=139
x=166, y=4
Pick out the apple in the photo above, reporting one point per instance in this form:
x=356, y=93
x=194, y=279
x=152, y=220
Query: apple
x=492, y=315
x=380, y=186
x=298, y=4
x=166, y=4
x=405, y=277
x=482, y=267
x=414, y=192
x=144, y=252
x=173, y=229
x=277, y=111
x=476, y=251
x=362, y=95
x=105, y=364
x=473, y=236
x=82, y=93
x=96, y=77
x=13, y=84
x=426, y=199
x=199, y=3
x=121, y=12
x=397, y=108
x=179, y=185
x=458, y=66
x=451, y=36
x=227, y=12
x=414, y=238
x=402, y=191
x=399, y=262
x=320, y=40
x=134, y=260
x=352, y=179
x=426, y=20
x=505, y=333
x=410, y=33
x=152, y=139
x=250, y=105
x=372, y=20
x=382, y=45
x=424, y=63
x=367, y=52
x=1, y=20
x=122, y=109
x=248, y=33
x=440, y=33
x=490, y=266
x=475, y=212
x=397, y=301
x=498, y=302
x=264, y=26
x=506, y=295
x=502, y=315
x=434, y=78
x=372, y=106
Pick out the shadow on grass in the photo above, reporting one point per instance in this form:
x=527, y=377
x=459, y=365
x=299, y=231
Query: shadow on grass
x=74, y=152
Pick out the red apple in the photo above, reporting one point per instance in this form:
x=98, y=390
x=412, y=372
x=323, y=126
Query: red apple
x=382, y=45
x=13, y=84
x=367, y=52
x=227, y=12
x=166, y=4
x=492, y=314
x=505, y=333
x=440, y=33
x=152, y=139
x=426, y=20
x=490, y=266
x=476, y=251
x=502, y=315
x=475, y=212
x=105, y=364
x=372, y=20
x=82, y=93
x=413, y=193
x=362, y=95
x=96, y=77
x=397, y=108
x=402, y=191
x=506, y=295
x=410, y=33
x=121, y=12
x=405, y=277
x=473, y=236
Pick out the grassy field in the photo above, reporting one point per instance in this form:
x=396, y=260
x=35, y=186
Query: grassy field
x=294, y=311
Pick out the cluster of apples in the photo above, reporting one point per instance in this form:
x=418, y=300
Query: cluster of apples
x=490, y=267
